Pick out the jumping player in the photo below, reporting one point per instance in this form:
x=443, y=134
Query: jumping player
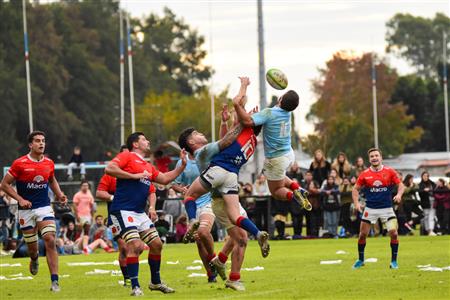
x=206, y=214
x=377, y=183
x=276, y=123
x=222, y=173
x=105, y=191
x=34, y=174
x=134, y=177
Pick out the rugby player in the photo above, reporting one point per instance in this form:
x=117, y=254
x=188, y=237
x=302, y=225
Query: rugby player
x=34, y=174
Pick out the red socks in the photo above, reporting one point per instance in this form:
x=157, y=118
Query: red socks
x=222, y=257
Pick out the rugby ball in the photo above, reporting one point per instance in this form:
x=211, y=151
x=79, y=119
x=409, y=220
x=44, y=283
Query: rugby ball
x=277, y=79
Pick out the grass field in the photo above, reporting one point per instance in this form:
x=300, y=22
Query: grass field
x=292, y=271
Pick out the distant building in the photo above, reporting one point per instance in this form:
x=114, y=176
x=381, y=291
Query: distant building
x=436, y=163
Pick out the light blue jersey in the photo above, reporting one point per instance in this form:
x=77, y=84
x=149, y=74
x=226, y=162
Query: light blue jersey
x=276, y=130
x=204, y=155
x=190, y=173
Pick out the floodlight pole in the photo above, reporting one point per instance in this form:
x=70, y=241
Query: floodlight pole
x=130, y=73
x=262, y=68
x=213, y=113
x=27, y=65
x=374, y=102
x=122, y=82
x=444, y=53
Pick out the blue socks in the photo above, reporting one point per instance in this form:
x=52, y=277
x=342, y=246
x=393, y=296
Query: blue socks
x=247, y=224
x=154, y=261
x=133, y=270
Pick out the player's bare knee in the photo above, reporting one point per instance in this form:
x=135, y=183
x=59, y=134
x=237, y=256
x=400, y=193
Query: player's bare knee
x=156, y=246
x=393, y=234
x=203, y=232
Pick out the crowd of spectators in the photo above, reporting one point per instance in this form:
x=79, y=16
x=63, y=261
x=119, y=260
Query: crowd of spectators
x=330, y=184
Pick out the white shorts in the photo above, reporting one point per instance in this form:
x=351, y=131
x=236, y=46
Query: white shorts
x=205, y=209
x=28, y=218
x=125, y=220
x=373, y=214
x=275, y=168
x=218, y=206
x=215, y=177
x=85, y=220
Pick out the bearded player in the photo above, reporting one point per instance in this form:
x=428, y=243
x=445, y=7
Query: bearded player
x=34, y=174
x=134, y=178
x=105, y=191
x=377, y=183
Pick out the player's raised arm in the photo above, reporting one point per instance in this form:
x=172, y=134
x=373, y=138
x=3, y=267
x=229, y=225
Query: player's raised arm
x=230, y=137
x=168, y=177
x=223, y=122
x=355, y=197
x=244, y=117
x=10, y=191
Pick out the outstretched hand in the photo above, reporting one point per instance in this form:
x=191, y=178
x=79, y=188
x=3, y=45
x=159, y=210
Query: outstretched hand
x=183, y=157
x=245, y=81
x=225, y=113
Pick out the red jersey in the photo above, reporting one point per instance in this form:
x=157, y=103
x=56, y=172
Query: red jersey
x=32, y=179
x=108, y=184
x=377, y=186
x=132, y=194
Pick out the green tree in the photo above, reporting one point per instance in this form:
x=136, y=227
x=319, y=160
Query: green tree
x=424, y=100
x=163, y=116
x=418, y=40
x=170, y=56
x=343, y=111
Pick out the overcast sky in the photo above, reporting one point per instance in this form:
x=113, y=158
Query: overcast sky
x=300, y=36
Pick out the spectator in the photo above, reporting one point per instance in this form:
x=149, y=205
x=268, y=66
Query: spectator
x=410, y=202
x=172, y=206
x=294, y=172
x=337, y=178
x=342, y=165
x=261, y=188
x=161, y=225
x=161, y=195
x=319, y=167
x=280, y=210
x=359, y=167
x=316, y=212
x=426, y=188
x=297, y=214
x=4, y=217
x=181, y=227
x=83, y=207
x=355, y=216
x=345, y=190
x=162, y=161
x=63, y=213
x=71, y=241
x=97, y=231
x=442, y=205
x=76, y=161
x=330, y=201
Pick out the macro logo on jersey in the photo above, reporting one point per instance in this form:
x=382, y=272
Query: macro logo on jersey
x=238, y=153
x=132, y=194
x=38, y=183
x=32, y=179
x=377, y=186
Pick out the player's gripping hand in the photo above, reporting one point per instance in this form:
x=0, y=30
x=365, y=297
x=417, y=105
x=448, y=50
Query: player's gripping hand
x=152, y=215
x=358, y=207
x=142, y=175
x=183, y=157
x=62, y=198
x=397, y=198
x=25, y=203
